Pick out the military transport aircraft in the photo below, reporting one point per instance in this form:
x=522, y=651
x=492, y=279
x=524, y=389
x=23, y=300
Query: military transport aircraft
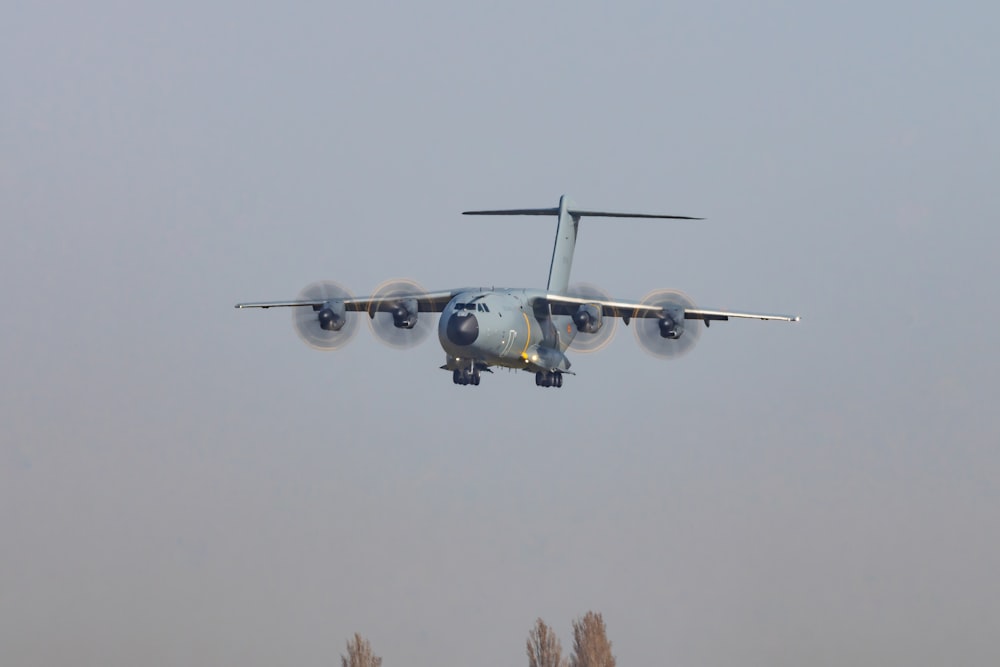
x=520, y=328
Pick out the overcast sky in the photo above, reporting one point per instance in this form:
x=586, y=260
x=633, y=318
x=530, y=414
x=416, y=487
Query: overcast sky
x=183, y=483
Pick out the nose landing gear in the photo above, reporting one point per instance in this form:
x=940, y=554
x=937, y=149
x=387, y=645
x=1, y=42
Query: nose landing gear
x=549, y=379
x=466, y=375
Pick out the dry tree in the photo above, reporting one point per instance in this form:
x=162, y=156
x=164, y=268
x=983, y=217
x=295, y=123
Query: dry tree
x=591, y=647
x=544, y=648
x=360, y=654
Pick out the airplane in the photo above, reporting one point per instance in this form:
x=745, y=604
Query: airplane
x=525, y=329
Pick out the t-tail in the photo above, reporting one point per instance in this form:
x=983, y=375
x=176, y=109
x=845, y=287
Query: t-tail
x=566, y=230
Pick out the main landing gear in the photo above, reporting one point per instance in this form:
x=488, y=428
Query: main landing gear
x=548, y=379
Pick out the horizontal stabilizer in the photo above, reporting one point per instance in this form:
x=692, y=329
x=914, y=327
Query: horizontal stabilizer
x=516, y=211
x=577, y=213
x=568, y=216
x=605, y=214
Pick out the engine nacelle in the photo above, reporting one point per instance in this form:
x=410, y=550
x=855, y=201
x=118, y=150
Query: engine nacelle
x=672, y=323
x=587, y=318
x=404, y=314
x=332, y=316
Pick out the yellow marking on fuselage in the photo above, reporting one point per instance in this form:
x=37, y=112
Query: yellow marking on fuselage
x=527, y=340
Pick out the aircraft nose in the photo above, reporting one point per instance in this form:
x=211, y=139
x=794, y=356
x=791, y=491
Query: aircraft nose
x=463, y=329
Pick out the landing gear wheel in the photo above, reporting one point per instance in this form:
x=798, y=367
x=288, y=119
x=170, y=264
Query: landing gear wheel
x=548, y=379
x=466, y=376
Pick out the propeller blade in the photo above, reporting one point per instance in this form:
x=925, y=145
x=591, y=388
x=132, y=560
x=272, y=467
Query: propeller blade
x=592, y=342
x=309, y=323
x=649, y=330
x=398, y=323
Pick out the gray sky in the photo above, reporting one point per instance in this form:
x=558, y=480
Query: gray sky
x=182, y=483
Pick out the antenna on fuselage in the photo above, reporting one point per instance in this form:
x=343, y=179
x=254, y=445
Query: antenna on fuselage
x=566, y=230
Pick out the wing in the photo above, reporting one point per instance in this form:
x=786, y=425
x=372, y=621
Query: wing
x=428, y=302
x=566, y=305
x=709, y=315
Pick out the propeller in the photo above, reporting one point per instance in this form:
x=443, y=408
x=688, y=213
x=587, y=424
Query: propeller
x=669, y=336
x=591, y=342
x=398, y=324
x=326, y=327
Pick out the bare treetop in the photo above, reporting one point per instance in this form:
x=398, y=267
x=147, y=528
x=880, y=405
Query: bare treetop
x=544, y=648
x=360, y=654
x=591, y=647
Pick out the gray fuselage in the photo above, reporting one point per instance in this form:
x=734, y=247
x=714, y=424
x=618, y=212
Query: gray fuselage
x=505, y=327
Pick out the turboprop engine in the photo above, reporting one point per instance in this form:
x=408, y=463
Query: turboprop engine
x=672, y=323
x=394, y=314
x=594, y=332
x=327, y=325
x=587, y=318
x=667, y=333
x=332, y=316
x=404, y=314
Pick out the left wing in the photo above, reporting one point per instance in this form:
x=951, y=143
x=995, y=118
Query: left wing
x=709, y=315
x=566, y=305
x=427, y=302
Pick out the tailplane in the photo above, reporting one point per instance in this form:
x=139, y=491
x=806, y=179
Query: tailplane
x=566, y=230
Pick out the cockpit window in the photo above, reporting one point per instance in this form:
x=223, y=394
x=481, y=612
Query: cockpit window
x=480, y=307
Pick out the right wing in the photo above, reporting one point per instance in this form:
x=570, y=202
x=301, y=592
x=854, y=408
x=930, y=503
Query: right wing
x=428, y=302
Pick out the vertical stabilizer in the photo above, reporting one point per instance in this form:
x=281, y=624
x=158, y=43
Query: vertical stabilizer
x=569, y=223
x=562, y=250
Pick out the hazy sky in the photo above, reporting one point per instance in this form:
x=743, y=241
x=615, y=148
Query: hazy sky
x=182, y=483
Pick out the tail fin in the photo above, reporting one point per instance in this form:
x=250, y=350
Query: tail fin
x=562, y=249
x=566, y=230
